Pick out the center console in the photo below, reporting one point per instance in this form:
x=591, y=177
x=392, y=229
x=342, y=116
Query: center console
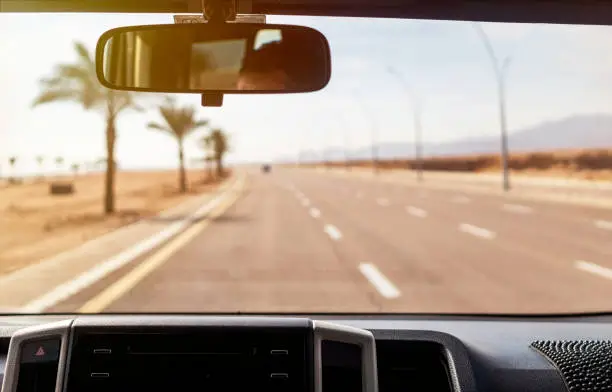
x=214, y=354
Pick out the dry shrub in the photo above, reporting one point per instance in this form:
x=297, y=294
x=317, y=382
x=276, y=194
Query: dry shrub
x=590, y=163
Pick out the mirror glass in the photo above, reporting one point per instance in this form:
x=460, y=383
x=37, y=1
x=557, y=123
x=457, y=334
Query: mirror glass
x=228, y=58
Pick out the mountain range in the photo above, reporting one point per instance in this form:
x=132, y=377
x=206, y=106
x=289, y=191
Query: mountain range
x=574, y=132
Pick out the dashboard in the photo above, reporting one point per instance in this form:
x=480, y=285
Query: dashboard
x=319, y=353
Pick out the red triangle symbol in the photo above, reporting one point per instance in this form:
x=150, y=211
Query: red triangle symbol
x=40, y=352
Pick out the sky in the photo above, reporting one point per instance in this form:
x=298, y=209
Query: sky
x=378, y=67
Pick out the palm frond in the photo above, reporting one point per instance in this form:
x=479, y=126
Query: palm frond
x=76, y=82
x=201, y=123
x=54, y=95
x=123, y=100
x=84, y=55
x=180, y=121
x=220, y=141
x=158, y=127
x=73, y=71
x=51, y=82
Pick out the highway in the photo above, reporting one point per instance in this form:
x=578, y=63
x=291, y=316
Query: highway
x=303, y=241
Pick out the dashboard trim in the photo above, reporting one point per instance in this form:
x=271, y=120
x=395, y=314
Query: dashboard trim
x=60, y=329
x=341, y=333
x=455, y=352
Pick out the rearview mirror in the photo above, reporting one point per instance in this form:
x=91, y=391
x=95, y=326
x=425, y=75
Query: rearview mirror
x=224, y=58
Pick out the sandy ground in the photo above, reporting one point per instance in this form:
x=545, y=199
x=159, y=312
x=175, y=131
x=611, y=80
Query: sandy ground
x=36, y=225
x=580, y=164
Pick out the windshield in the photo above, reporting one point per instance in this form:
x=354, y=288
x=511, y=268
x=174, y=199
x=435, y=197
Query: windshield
x=448, y=167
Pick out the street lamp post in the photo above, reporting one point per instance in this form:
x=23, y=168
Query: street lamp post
x=418, y=142
x=374, y=131
x=416, y=118
x=347, y=163
x=500, y=75
x=345, y=126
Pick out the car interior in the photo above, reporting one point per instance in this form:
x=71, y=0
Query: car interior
x=298, y=352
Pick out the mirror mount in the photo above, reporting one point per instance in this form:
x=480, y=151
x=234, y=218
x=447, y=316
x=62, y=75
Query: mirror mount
x=212, y=99
x=217, y=11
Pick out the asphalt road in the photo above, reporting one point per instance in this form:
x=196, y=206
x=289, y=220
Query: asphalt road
x=302, y=241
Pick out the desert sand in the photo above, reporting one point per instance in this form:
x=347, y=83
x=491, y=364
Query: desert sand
x=35, y=224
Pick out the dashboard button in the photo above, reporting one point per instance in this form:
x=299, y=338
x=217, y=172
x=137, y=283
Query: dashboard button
x=279, y=352
x=37, y=351
x=102, y=351
x=99, y=375
x=279, y=376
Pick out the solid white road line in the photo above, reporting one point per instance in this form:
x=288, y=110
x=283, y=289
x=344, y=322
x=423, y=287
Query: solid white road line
x=305, y=202
x=415, y=211
x=333, y=232
x=593, y=268
x=86, y=279
x=519, y=209
x=382, y=201
x=477, y=231
x=602, y=224
x=461, y=199
x=379, y=281
x=315, y=213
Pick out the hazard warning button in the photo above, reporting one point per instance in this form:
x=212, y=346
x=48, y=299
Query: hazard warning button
x=40, y=351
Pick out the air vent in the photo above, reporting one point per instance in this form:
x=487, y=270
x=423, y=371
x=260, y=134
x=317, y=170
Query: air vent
x=4, y=346
x=412, y=366
x=341, y=366
x=212, y=359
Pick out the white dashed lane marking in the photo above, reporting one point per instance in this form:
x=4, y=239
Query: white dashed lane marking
x=315, y=213
x=382, y=202
x=415, y=211
x=333, y=232
x=477, y=231
x=593, y=268
x=380, y=282
x=602, y=224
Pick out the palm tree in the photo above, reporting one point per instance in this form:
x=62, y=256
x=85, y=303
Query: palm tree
x=75, y=168
x=12, y=162
x=206, y=144
x=78, y=82
x=40, y=160
x=59, y=161
x=100, y=163
x=178, y=122
x=218, y=139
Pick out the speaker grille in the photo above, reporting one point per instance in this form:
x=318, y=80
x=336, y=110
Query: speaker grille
x=584, y=365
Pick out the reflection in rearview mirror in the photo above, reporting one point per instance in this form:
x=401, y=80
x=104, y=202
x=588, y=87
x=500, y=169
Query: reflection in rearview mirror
x=227, y=58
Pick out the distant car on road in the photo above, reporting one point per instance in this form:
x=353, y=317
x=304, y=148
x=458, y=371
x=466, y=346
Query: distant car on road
x=265, y=168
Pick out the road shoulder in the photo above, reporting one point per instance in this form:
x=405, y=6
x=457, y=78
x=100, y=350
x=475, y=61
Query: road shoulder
x=42, y=285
